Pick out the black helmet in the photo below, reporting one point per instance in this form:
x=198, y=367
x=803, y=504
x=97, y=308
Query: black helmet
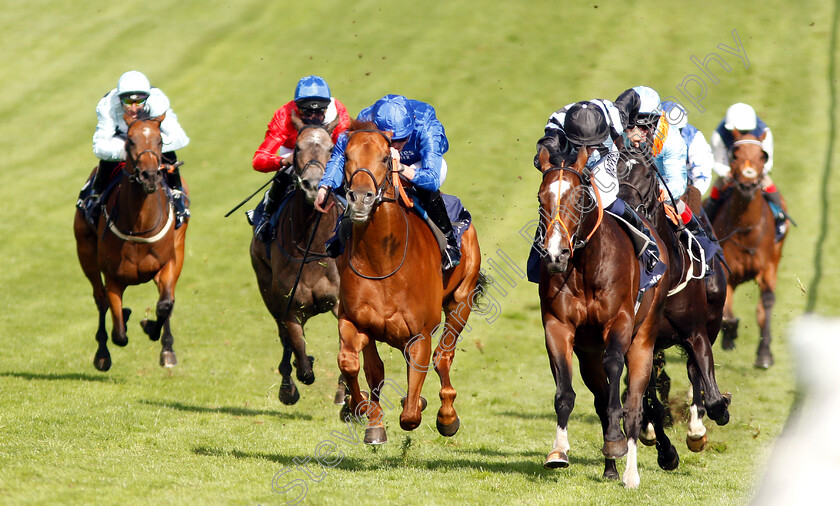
x=586, y=125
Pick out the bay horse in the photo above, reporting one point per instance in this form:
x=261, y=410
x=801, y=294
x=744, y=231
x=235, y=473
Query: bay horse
x=134, y=241
x=281, y=264
x=692, y=312
x=589, y=281
x=746, y=227
x=392, y=289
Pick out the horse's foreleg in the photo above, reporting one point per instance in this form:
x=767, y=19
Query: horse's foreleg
x=618, y=338
x=102, y=359
x=118, y=316
x=417, y=353
x=695, y=438
x=763, y=313
x=667, y=456
x=592, y=373
x=700, y=353
x=165, y=281
x=352, y=341
x=289, y=393
x=729, y=323
x=559, y=340
x=448, y=422
x=375, y=376
x=639, y=364
x=297, y=341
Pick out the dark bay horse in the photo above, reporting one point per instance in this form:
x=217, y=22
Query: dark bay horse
x=692, y=311
x=135, y=241
x=281, y=264
x=392, y=289
x=589, y=281
x=746, y=227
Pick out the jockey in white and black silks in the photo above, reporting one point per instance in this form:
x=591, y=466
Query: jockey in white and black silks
x=594, y=125
x=133, y=96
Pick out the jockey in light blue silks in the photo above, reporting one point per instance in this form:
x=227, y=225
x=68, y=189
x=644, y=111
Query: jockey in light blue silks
x=420, y=140
x=699, y=160
x=594, y=125
x=647, y=129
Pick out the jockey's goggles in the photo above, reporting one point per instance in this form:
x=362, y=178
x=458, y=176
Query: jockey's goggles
x=133, y=99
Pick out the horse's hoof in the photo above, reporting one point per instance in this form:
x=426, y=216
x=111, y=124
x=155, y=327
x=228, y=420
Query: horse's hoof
x=556, y=459
x=289, y=394
x=764, y=360
x=345, y=414
x=423, y=403
x=102, y=362
x=696, y=444
x=670, y=460
x=341, y=392
x=648, y=436
x=375, y=436
x=614, y=449
x=148, y=328
x=610, y=471
x=450, y=429
x=167, y=359
x=119, y=340
x=308, y=377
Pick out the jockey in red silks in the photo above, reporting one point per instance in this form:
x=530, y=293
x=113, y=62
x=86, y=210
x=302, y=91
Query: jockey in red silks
x=314, y=105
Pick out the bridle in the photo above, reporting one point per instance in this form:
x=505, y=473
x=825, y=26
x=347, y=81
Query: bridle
x=574, y=241
x=378, y=197
x=299, y=170
x=748, y=171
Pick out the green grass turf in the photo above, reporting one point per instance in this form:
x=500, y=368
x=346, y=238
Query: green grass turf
x=212, y=430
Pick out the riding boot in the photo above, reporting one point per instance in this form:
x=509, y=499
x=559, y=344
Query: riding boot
x=179, y=200
x=93, y=203
x=779, y=214
x=436, y=209
x=335, y=244
x=273, y=196
x=641, y=246
x=709, y=245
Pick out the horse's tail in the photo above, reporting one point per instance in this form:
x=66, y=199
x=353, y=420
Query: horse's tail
x=479, y=298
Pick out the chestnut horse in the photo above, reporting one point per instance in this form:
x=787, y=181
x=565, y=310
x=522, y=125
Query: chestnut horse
x=135, y=241
x=589, y=280
x=392, y=288
x=746, y=227
x=692, y=313
x=286, y=261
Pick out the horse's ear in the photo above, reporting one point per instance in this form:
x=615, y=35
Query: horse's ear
x=160, y=118
x=582, y=157
x=544, y=161
x=388, y=135
x=332, y=124
x=736, y=134
x=296, y=121
x=762, y=136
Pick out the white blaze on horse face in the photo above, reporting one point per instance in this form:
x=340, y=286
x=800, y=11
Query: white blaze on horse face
x=555, y=237
x=147, y=132
x=561, y=442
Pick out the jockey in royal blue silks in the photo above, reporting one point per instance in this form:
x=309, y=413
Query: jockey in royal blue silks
x=421, y=141
x=647, y=129
x=595, y=125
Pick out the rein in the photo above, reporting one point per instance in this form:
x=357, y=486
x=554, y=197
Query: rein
x=584, y=179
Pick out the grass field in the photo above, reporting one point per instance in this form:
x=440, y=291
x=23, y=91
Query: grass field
x=211, y=430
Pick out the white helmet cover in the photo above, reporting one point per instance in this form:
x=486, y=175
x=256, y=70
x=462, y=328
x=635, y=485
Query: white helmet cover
x=133, y=82
x=740, y=116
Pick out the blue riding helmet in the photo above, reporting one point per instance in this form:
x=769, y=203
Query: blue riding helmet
x=393, y=113
x=312, y=87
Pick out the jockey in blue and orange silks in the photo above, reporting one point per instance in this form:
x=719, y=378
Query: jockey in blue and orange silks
x=594, y=125
x=647, y=129
x=420, y=140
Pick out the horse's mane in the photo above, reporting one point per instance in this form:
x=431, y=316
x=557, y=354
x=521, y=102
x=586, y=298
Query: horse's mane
x=357, y=125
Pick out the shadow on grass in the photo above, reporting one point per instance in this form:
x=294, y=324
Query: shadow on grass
x=227, y=410
x=531, y=468
x=68, y=376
